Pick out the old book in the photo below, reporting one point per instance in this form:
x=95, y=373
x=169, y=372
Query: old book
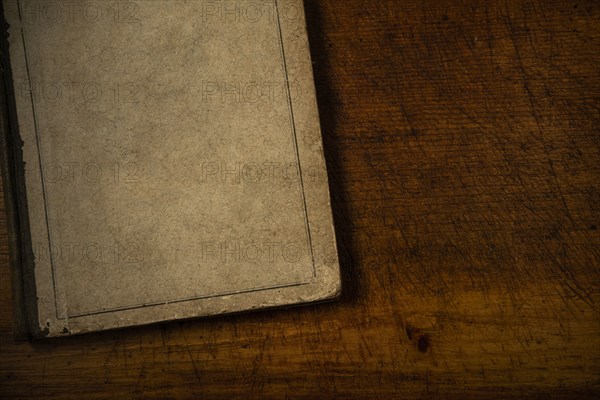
x=171, y=163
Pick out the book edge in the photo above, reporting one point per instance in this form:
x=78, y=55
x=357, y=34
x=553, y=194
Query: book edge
x=21, y=260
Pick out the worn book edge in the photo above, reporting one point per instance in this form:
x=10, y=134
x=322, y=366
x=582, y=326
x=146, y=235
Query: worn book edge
x=20, y=257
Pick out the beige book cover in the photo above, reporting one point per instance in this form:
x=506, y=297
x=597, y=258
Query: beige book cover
x=171, y=163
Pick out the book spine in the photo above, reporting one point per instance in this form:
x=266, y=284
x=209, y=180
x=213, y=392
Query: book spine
x=21, y=259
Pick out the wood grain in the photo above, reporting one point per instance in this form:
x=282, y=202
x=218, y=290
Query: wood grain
x=463, y=143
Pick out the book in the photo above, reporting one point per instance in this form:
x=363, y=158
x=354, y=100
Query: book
x=162, y=160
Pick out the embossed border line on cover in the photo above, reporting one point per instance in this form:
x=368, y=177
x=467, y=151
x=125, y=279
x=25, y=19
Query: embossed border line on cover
x=202, y=297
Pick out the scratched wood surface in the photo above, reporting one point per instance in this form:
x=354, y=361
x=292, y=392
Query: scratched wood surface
x=463, y=142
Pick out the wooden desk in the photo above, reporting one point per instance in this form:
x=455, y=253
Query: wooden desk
x=463, y=142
